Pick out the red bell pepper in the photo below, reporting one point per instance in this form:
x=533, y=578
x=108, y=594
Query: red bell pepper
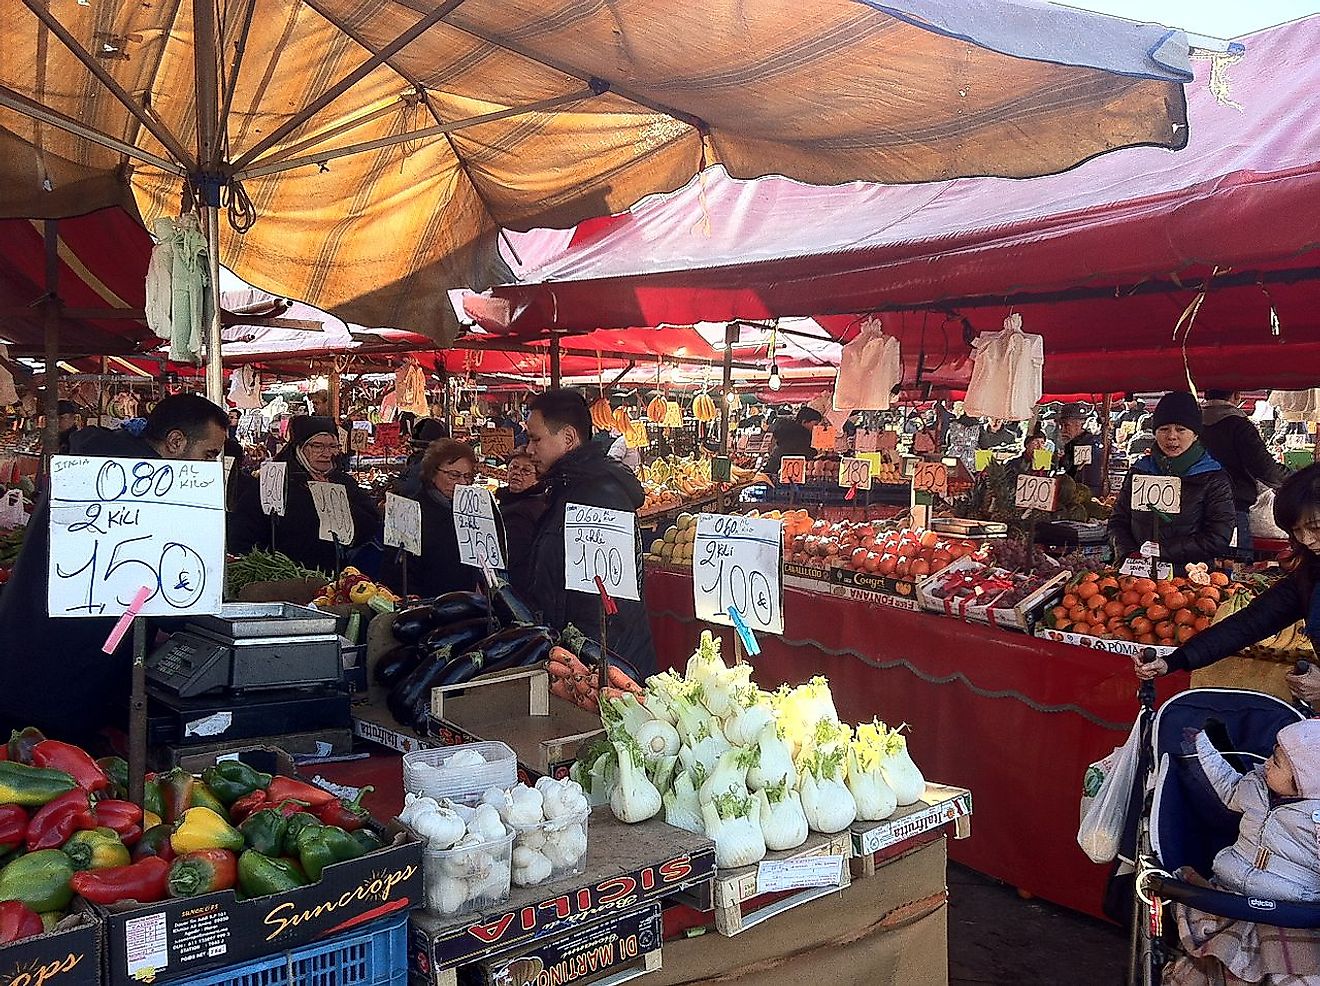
x=74, y=761
x=284, y=788
x=122, y=816
x=155, y=841
x=55, y=821
x=246, y=805
x=202, y=872
x=13, y=827
x=347, y=815
x=144, y=881
x=18, y=921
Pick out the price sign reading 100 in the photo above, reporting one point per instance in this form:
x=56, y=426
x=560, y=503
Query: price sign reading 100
x=737, y=561
x=600, y=543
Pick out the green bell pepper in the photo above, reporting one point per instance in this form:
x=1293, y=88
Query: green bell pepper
x=176, y=788
x=264, y=831
x=233, y=779
x=31, y=787
x=294, y=827
x=152, y=800
x=40, y=880
x=259, y=875
x=116, y=768
x=203, y=797
x=318, y=848
x=95, y=849
x=368, y=840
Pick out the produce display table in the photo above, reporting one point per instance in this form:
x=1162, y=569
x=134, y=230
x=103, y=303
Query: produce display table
x=1013, y=718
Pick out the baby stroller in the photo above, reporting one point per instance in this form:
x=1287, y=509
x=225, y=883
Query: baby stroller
x=1181, y=824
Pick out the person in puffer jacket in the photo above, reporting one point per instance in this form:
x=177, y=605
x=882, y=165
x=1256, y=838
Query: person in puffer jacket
x=1276, y=854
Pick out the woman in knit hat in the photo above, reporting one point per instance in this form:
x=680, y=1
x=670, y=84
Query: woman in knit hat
x=1202, y=529
x=311, y=453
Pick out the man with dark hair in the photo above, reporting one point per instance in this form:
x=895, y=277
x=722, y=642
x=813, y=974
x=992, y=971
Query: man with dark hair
x=66, y=423
x=1231, y=437
x=1082, y=467
x=576, y=470
x=53, y=674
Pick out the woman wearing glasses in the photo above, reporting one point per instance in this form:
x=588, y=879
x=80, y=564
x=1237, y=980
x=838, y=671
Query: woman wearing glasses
x=447, y=463
x=522, y=501
x=310, y=454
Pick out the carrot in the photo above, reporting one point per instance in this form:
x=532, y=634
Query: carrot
x=558, y=669
x=560, y=687
x=613, y=692
x=619, y=679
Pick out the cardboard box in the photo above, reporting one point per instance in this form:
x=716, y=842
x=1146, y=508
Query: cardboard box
x=67, y=956
x=175, y=938
x=1128, y=648
x=1022, y=615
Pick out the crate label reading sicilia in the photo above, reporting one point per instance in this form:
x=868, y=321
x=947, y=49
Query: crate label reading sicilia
x=780, y=875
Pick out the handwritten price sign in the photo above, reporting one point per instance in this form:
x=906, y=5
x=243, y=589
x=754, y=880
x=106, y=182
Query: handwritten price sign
x=273, y=477
x=600, y=543
x=474, y=524
x=403, y=523
x=793, y=469
x=116, y=526
x=931, y=477
x=737, y=562
x=854, y=474
x=497, y=443
x=1082, y=455
x=331, y=502
x=1036, y=493
x=1162, y=493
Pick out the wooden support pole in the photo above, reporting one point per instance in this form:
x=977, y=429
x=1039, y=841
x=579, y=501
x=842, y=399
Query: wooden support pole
x=51, y=436
x=556, y=374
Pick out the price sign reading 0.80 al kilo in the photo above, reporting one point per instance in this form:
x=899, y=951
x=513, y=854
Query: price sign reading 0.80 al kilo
x=474, y=524
x=1036, y=493
x=599, y=542
x=1162, y=493
x=736, y=561
x=117, y=525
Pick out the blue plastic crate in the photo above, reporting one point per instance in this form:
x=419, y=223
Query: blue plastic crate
x=376, y=955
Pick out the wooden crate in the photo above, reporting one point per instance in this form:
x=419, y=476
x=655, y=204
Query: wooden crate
x=941, y=805
x=372, y=721
x=736, y=891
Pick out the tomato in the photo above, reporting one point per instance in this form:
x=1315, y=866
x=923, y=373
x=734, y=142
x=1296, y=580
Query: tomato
x=903, y=568
x=871, y=562
x=928, y=539
x=820, y=527
x=887, y=564
x=941, y=557
x=831, y=547
x=920, y=568
x=858, y=558
x=906, y=549
x=799, y=542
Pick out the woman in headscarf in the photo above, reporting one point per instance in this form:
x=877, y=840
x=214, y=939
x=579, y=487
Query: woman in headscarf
x=310, y=454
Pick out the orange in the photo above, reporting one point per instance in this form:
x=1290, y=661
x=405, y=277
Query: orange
x=1184, y=634
x=1063, y=626
x=1184, y=617
x=1114, y=609
x=1069, y=600
x=1201, y=623
x=1148, y=599
x=1157, y=612
x=1207, y=606
x=1142, y=625
x=1164, y=630
x=1218, y=578
x=1087, y=590
x=1175, y=600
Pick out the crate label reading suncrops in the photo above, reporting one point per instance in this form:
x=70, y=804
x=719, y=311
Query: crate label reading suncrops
x=599, y=542
x=118, y=525
x=737, y=561
x=474, y=524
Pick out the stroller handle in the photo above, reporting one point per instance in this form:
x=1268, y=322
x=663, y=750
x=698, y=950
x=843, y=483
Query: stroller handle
x=1302, y=667
x=1147, y=691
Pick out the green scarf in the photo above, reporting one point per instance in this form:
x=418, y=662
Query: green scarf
x=1180, y=465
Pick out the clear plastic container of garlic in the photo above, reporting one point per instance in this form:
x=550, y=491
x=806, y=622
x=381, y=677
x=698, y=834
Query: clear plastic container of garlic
x=550, y=829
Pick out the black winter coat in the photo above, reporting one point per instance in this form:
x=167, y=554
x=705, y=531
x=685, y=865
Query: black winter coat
x=590, y=477
x=298, y=532
x=1233, y=440
x=53, y=674
x=437, y=570
x=1092, y=474
x=522, y=513
x=1201, y=532
x=1275, y=609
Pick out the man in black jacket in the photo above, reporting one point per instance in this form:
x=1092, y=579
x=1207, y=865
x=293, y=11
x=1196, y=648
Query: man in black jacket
x=576, y=470
x=1082, y=449
x=1233, y=440
x=53, y=674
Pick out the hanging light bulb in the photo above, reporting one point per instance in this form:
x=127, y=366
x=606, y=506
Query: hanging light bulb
x=731, y=398
x=775, y=381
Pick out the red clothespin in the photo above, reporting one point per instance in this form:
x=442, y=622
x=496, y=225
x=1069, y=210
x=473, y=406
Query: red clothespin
x=606, y=601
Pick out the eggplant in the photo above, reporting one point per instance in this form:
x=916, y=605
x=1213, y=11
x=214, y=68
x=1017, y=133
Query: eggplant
x=396, y=664
x=509, y=608
x=414, y=623
x=409, y=701
x=459, y=637
x=518, y=647
x=591, y=653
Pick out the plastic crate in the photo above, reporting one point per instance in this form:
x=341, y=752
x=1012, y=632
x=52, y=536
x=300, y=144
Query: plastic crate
x=377, y=955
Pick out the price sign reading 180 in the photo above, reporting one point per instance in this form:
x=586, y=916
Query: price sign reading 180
x=600, y=543
x=854, y=474
x=736, y=561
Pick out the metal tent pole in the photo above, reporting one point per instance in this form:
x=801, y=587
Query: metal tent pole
x=556, y=375
x=207, y=181
x=51, y=436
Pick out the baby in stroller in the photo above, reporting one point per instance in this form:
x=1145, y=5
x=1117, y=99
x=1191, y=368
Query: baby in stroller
x=1277, y=852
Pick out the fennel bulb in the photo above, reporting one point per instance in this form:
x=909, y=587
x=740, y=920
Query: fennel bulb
x=783, y=823
x=735, y=825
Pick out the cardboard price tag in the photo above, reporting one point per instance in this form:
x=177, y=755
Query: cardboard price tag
x=793, y=469
x=1042, y=458
x=497, y=443
x=336, y=516
x=1036, y=493
x=1163, y=493
x=403, y=523
x=1082, y=455
x=600, y=543
x=474, y=525
x=738, y=562
x=273, y=477
x=780, y=875
x=127, y=532
x=931, y=477
x=854, y=474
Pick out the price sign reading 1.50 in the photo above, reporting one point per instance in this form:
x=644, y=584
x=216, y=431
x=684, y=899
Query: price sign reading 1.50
x=737, y=561
x=474, y=525
x=119, y=525
x=600, y=543
x=931, y=477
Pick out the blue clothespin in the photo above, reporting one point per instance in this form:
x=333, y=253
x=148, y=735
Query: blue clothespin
x=745, y=632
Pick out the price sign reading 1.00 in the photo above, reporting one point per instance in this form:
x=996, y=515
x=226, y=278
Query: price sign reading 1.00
x=1162, y=493
x=1036, y=493
x=474, y=525
x=854, y=474
x=737, y=561
x=600, y=543
x=931, y=477
x=118, y=525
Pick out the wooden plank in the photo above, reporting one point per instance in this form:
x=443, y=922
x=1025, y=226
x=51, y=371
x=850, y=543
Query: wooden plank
x=539, y=694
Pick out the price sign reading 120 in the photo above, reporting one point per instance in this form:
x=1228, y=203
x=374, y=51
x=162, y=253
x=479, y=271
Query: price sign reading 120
x=599, y=542
x=737, y=561
x=118, y=525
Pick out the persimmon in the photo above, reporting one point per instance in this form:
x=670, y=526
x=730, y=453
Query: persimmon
x=1077, y=613
x=1157, y=613
x=1165, y=630
x=1219, y=578
x=1069, y=600
x=1148, y=599
x=1206, y=606
x=1174, y=600
x=1184, y=617
x=1130, y=598
x=1184, y=634
x=1201, y=623
x=1096, y=601
x=1142, y=625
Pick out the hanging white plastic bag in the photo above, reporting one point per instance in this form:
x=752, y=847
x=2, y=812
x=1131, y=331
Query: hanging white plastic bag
x=1262, y=515
x=1106, y=793
x=12, y=513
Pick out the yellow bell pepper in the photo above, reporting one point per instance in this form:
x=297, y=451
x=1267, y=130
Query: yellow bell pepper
x=202, y=828
x=150, y=820
x=362, y=592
